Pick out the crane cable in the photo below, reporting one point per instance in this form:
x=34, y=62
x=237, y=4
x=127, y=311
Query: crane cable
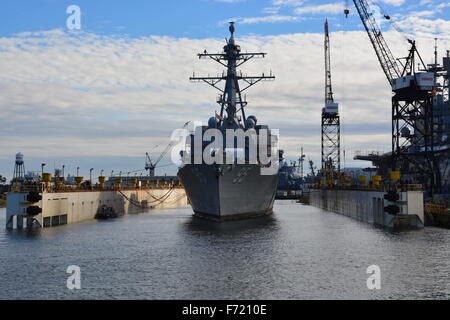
x=156, y=202
x=166, y=150
x=163, y=197
x=343, y=84
x=388, y=18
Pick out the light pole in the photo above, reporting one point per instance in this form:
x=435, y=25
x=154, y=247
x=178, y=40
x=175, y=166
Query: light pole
x=42, y=169
x=78, y=171
x=101, y=173
x=112, y=173
x=64, y=177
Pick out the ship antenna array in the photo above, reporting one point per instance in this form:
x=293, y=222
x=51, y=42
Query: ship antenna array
x=232, y=58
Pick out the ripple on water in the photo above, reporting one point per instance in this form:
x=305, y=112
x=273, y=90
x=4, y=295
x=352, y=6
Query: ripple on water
x=299, y=253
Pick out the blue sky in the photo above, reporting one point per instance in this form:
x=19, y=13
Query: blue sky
x=103, y=96
x=197, y=18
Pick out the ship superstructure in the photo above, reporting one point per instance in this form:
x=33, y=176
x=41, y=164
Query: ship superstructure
x=238, y=182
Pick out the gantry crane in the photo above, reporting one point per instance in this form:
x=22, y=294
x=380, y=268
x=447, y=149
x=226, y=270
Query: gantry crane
x=413, y=124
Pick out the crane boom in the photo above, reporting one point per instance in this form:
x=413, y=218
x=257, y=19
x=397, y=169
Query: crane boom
x=384, y=54
x=328, y=86
x=151, y=165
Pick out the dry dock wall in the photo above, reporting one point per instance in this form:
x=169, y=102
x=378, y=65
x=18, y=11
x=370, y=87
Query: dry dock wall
x=73, y=207
x=368, y=206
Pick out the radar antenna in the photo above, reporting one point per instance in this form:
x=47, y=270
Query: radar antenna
x=231, y=97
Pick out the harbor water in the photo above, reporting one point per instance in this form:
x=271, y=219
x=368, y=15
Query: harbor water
x=300, y=252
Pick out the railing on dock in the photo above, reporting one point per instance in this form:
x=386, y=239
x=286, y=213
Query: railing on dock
x=381, y=188
x=61, y=188
x=437, y=206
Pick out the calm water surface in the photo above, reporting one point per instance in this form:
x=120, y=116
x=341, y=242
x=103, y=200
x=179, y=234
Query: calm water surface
x=299, y=253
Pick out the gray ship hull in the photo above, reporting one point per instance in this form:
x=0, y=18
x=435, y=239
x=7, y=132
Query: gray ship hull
x=239, y=192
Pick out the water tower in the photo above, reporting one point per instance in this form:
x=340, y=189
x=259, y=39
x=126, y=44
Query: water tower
x=19, y=168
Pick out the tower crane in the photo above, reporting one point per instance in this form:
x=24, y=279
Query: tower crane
x=412, y=104
x=331, y=123
x=151, y=165
x=301, y=162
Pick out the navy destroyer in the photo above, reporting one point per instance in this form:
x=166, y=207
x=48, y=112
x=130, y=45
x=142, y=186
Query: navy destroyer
x=237, y=184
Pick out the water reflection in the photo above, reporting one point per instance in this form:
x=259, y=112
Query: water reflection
x=226, y=259
x=195, y=224
x=26, y=233
x=298, y=253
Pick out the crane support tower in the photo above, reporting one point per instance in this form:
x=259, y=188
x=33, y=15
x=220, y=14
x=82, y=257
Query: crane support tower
x=331, y=123
x=413, y=120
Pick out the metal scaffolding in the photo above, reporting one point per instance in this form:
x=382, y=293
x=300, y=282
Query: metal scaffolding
x=331, y=123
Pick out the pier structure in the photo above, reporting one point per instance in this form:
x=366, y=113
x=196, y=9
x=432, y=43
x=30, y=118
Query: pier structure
x=50, y=209
x=48, y=201
x=374, y=206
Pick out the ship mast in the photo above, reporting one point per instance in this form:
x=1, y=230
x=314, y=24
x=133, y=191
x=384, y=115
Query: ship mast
x=231, y=97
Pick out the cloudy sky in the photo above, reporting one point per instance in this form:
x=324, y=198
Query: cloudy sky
x=102, y=96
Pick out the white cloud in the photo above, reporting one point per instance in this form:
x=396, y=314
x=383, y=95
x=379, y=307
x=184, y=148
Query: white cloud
x=443, y=5
x=424, y=13
x=292, y=3
x=264, y=19
x=394, y=2
x=418, y=25
x=332, y=8
x=271, y=10
x=272, y=19
x=81, y=94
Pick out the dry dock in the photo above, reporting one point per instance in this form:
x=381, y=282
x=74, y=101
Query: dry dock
x=49, y=209
x=370, y=206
